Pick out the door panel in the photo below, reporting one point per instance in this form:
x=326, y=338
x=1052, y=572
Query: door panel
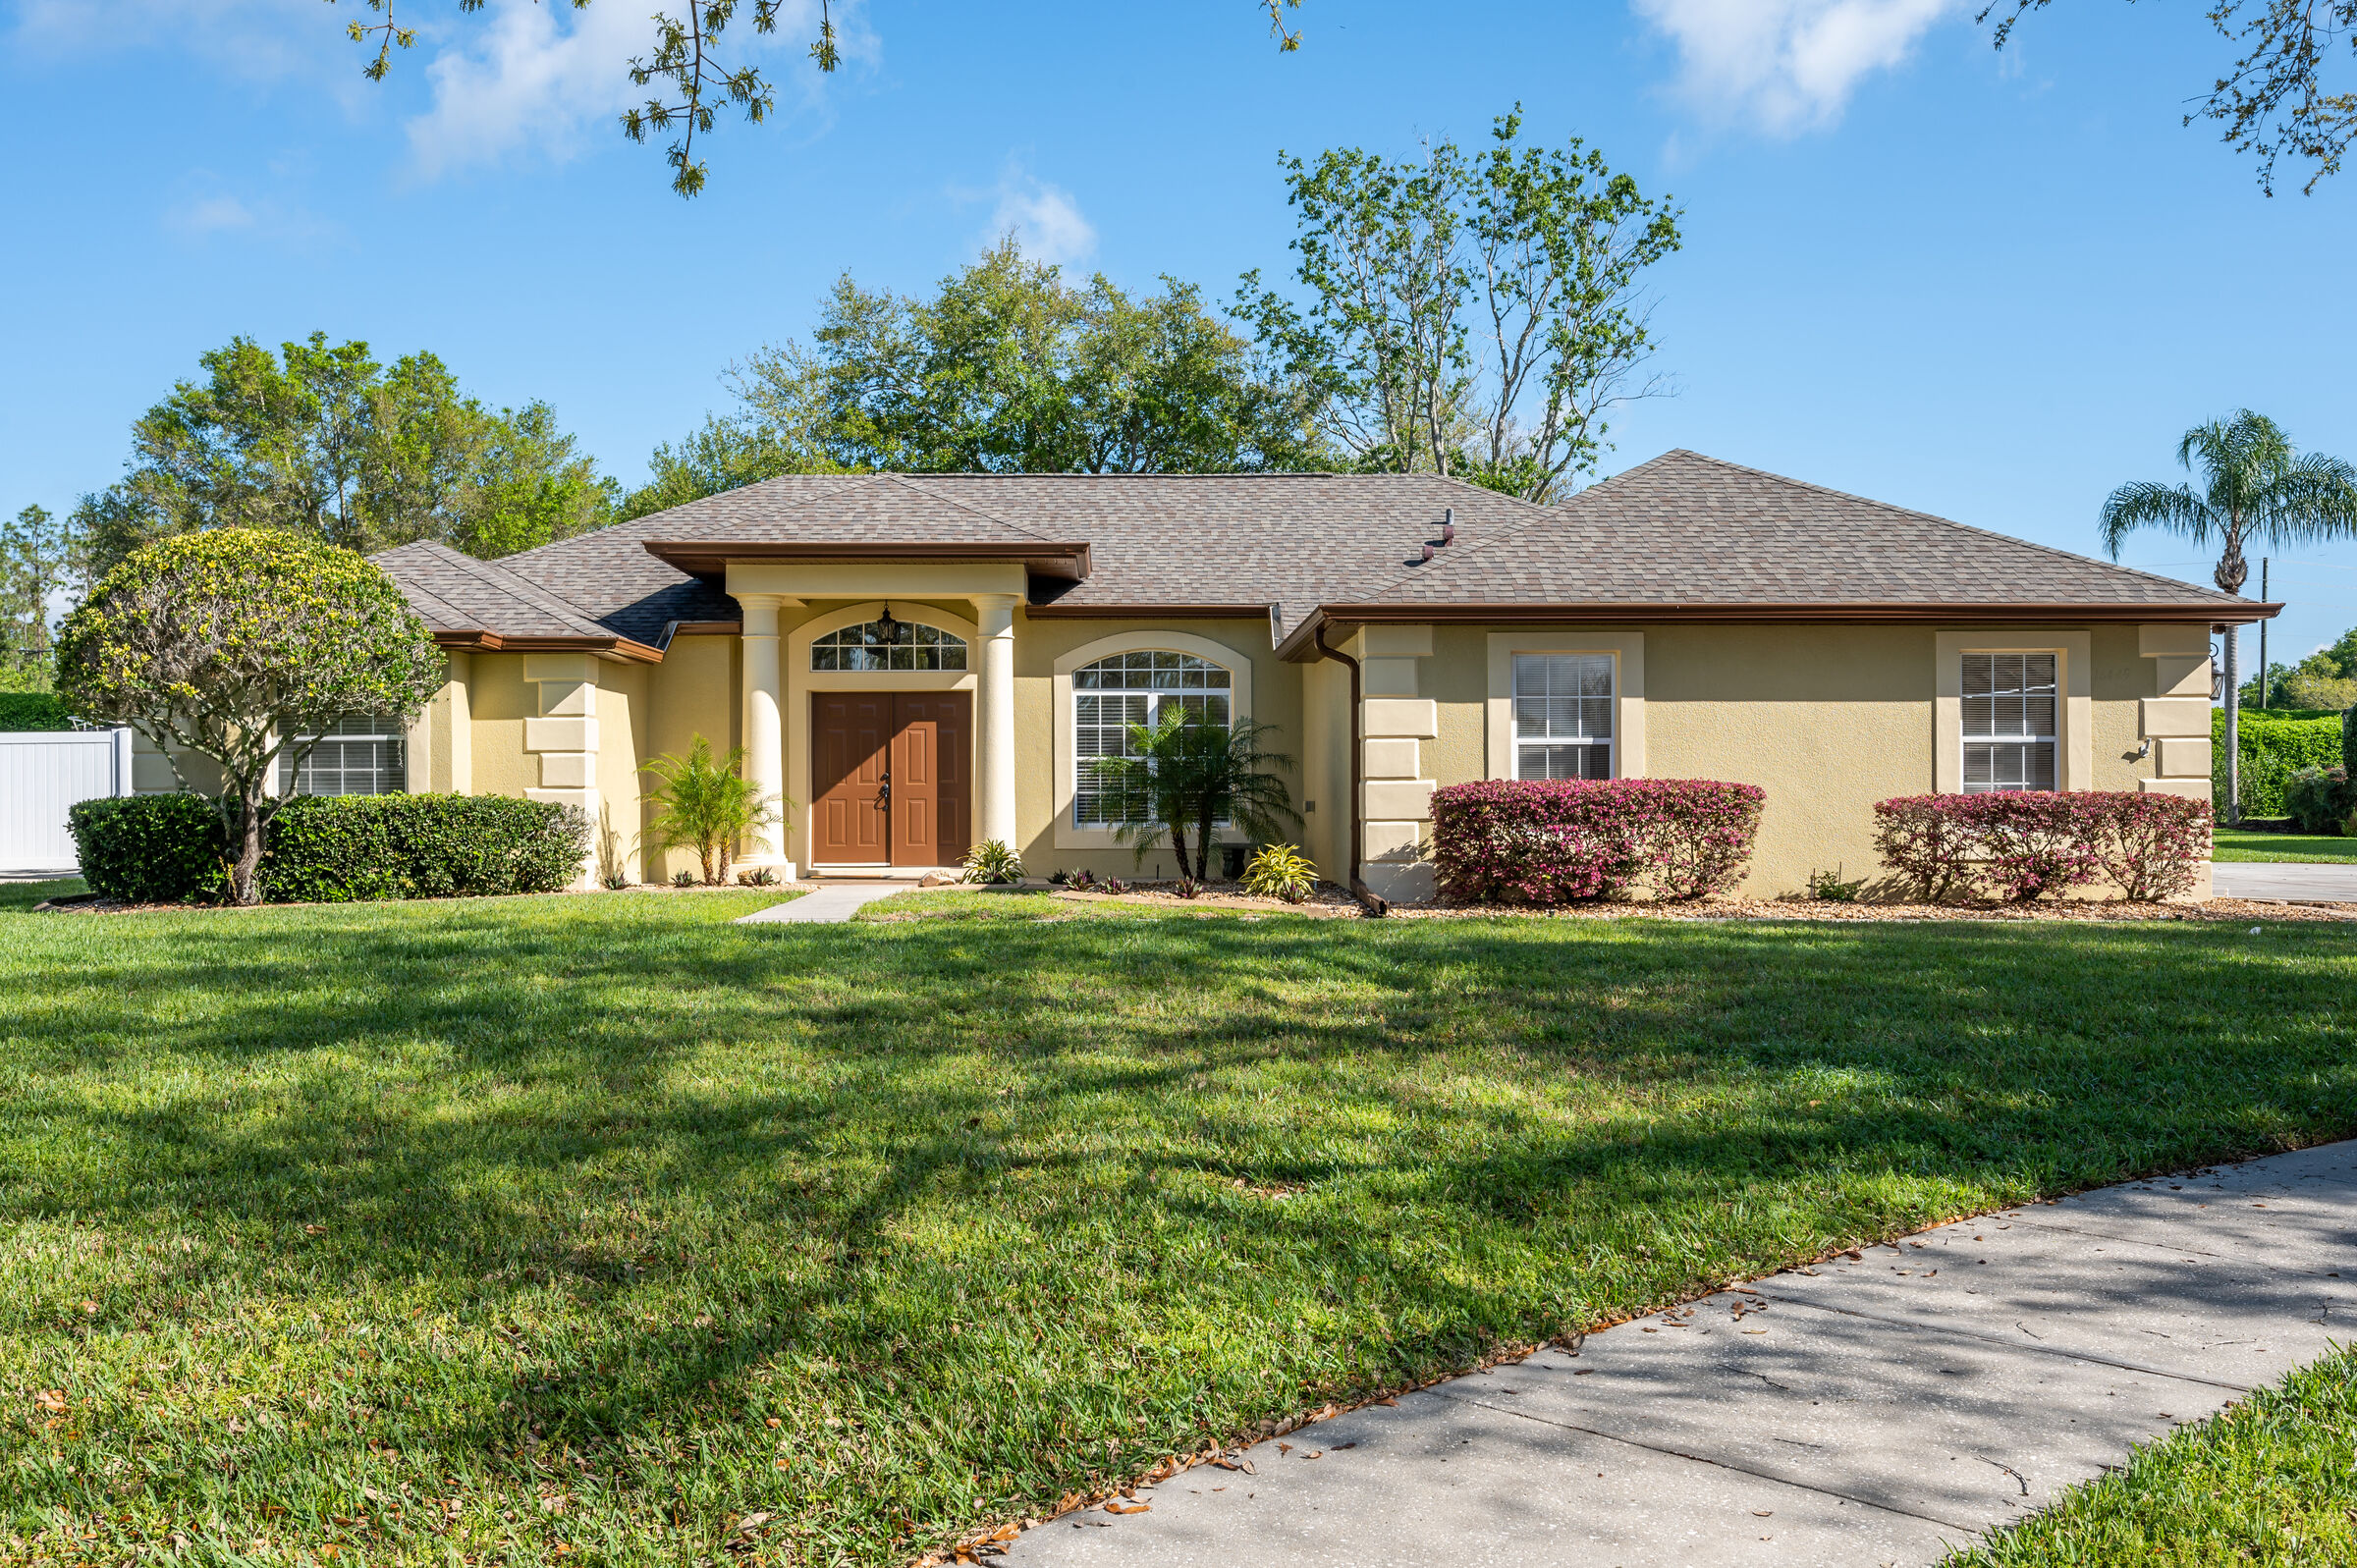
x=851, y=734
x=931, y=804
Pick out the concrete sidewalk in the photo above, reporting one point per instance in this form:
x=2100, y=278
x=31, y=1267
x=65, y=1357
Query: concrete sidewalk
x=828, y=904
x=1871, y=1411
x=2302, y=879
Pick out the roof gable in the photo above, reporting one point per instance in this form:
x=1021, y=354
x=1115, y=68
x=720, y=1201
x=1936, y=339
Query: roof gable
x=1688, y=530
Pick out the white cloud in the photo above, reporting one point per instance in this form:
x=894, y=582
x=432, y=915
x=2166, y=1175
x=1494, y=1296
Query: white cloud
x=1788, y=63
x=537, y=75
x=206, y=212
x=248, y=40
x=211, y=215
x=1044, y=220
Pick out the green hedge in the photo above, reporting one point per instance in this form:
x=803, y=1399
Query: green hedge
x=32, y=710
x=2274, y=746
x=333, y=849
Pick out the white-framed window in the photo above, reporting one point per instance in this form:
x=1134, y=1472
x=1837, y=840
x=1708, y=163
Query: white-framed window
x=888, y=645
x=1132, y=689
x=2010, y=701
x=357, y=756
x=1563, y=716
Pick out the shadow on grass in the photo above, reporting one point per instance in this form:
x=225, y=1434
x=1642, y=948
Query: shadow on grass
x=1008, y=1204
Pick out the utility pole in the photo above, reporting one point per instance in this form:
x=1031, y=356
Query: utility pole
x=2263, y=634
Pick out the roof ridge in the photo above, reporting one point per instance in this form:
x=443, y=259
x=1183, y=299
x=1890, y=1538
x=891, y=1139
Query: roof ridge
x=1539, y=511
x=494, y=576
x=1927, y=516
x=908, y=483
x=849, y=480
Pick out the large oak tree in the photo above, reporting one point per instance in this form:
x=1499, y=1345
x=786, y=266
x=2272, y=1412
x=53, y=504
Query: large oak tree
x=1008, y=368
x=321, y=440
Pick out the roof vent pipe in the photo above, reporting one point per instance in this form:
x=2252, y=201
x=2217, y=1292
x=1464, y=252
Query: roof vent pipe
x=1427, y=556
x=1449, y=526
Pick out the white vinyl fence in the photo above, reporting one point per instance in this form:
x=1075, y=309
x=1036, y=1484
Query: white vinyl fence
x=42, y=773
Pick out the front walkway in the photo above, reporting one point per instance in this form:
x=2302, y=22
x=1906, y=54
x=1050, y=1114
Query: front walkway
x=2305, y=881
x=827, y=904
x=1869, y=1411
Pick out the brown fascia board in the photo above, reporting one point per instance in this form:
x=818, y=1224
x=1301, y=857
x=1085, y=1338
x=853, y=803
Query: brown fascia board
x=1299, y=644
x=1060, y=610
x=710, y=558
x=478, y=641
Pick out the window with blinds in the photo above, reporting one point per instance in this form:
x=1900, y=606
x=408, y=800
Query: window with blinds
x=358, y=756
x=1563, y=716
x=1132, y=689
x=2009, y=711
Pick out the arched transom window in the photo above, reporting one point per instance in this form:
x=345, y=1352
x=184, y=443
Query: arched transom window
x=889, y=644
x=1132, y=689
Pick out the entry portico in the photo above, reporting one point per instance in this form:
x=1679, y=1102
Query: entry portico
x=778, y=677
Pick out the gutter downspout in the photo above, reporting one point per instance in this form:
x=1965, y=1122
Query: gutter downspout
x=1371, y=906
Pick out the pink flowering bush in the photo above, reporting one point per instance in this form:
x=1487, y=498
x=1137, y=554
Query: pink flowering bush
x=1551, y=841
x=2020, y=846
x=2152, y=846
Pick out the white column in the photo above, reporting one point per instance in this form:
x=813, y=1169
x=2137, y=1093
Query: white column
x=764, y=729
x=994, y=720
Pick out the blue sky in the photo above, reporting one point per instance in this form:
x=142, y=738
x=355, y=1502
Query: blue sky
x=1987, y=286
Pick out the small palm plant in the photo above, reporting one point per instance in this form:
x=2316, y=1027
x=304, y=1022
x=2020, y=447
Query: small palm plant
x=1279, y=871
x=2254, y=489
x=706, y=803
x=1183, y=778
x=992, y=861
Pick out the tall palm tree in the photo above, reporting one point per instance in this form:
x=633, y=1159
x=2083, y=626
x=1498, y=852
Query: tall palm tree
x=2255, y=489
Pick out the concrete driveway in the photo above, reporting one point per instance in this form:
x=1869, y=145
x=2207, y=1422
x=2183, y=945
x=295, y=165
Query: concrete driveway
x=2306, y=881
x=1872, y=1411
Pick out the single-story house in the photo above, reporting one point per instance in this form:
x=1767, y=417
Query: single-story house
x=919, y=663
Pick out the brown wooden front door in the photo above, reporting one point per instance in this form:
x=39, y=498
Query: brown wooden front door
x=889, y=778
x=930, y=747
x=851, y=735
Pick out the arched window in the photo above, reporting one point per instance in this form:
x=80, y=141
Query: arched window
x=889, y=644
x=1132, y=689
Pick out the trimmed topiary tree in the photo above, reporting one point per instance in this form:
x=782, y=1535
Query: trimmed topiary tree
x=231, y=644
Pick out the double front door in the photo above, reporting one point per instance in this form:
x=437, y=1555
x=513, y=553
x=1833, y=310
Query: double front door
x=889, y=778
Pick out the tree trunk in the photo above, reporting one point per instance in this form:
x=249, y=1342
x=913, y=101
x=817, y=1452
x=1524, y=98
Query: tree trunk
x=2233, y=726
x=245, y=844
x=2232, y=570
x=1178, y=844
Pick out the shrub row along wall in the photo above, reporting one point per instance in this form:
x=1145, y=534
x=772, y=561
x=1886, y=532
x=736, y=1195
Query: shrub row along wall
x=333, y=849
x=2025, y=845
x=1551, y=841
x=2276, y=743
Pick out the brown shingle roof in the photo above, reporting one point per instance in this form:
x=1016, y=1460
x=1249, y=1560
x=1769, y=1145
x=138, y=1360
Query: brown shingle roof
x=1689, y=530
x=459, y=596
x=1683, y=532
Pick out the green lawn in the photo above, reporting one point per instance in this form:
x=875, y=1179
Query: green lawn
x=2269, y=1482
x=471, y=1230
x=17, y=896
x=2229, y=843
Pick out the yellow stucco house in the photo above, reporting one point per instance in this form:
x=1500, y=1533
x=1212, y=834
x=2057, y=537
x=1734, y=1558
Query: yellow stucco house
x=923, y=662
